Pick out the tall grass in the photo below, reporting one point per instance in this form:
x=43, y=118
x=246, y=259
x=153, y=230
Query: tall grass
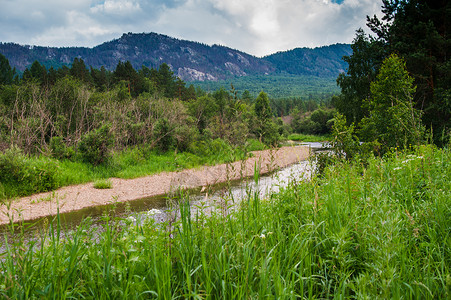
x=375, y=233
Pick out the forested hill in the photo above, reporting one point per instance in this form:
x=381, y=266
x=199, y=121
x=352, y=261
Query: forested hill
x=189, y=60
x=323, y=61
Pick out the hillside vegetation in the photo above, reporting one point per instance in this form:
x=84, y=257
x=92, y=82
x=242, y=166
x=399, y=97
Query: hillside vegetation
x=191, y=61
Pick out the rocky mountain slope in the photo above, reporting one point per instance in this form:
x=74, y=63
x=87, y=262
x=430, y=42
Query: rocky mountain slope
x=191, y=61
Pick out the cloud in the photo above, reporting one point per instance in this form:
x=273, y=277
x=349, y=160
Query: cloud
x=117, y=7
x=257, y=27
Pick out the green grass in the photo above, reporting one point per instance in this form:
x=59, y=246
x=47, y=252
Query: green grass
x=103, y=184
x=377, y=233
x=308, y=137
x=22, y=175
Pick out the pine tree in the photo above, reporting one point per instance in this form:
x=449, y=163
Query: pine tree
x=6, y=73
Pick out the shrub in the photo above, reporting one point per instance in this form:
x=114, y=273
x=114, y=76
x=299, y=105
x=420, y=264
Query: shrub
x=103, y=184
x=59, y=149
x=163, y=135
x=21, y=175
x=95, y=146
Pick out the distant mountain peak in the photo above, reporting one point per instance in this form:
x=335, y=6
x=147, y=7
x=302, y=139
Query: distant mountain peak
x=189, y=60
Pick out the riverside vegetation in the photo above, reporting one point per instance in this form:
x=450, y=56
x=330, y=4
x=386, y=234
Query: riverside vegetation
x=379, y=232
x=373, y=223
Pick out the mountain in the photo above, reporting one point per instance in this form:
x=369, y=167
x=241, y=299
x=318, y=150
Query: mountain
x=191, y=61
x=323, y=61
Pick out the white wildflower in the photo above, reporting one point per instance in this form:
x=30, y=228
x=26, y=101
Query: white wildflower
x=262, y=236
x=154, y=211
x=397, y=168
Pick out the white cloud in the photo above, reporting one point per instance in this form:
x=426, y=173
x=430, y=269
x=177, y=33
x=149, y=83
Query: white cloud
x=117, y=7
x=257, y=27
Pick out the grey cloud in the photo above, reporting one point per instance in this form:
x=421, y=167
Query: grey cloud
x=257, y=27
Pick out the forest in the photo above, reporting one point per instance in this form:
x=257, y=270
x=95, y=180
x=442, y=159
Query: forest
x=372, y=222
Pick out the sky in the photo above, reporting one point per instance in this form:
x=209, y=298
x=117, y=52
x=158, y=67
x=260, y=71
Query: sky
x=258, y=27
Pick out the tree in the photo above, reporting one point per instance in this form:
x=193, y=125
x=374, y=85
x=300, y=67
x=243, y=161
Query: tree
x=6, y=73
x=392, y=117
x=36, y=72
x=355, y=84
x=262, y=109
x=265, y=127
x=80, y=71
x=418, y=32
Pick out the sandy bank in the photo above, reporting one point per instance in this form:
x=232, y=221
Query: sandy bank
x=77, y=197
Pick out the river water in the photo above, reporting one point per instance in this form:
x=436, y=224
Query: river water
x=224, y=197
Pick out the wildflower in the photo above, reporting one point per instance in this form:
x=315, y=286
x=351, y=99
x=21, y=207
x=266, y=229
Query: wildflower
x=139, y=239
x=262, y=236
x=397, y=168
x=154, y=211
x=131, y=219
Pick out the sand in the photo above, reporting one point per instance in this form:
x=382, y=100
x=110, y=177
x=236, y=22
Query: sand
x=72, y=198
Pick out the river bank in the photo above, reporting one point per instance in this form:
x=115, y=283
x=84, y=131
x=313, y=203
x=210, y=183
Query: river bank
x=73, y=198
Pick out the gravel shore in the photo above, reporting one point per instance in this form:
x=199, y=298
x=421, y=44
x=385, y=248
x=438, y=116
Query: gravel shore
x=77, y=197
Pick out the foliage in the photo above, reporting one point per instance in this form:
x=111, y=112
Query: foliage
x=263, y=125
x=277, y=86
x=416, y=31
x=321, y=62
x=318, y=122
x=164, y=135
x=308, y=138
x=95, y=146
x=396, y=122
x=262, y=108
x=21, y=176
x=392, y=122
x=6, y=73
x=345, y=142
x=103, y=184
x=355, y=83
x=380, y=234
x=59, y=150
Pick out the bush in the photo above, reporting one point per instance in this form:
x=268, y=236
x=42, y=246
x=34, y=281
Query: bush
x=59, y=149
x=21, y=175
x=95, y=146
x=103, y=184
x=163, y=134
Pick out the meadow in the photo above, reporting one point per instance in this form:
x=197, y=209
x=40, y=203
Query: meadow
x=374, y=232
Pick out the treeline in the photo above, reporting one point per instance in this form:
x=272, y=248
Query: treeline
x=140, y=81
x=46, y=110
x=415, y=32
x=70, y=112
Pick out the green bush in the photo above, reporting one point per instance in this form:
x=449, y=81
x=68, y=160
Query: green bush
x=95, y=146
x=21, y=175
x=103, y=184
x=59, y=149
x=163, y=134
